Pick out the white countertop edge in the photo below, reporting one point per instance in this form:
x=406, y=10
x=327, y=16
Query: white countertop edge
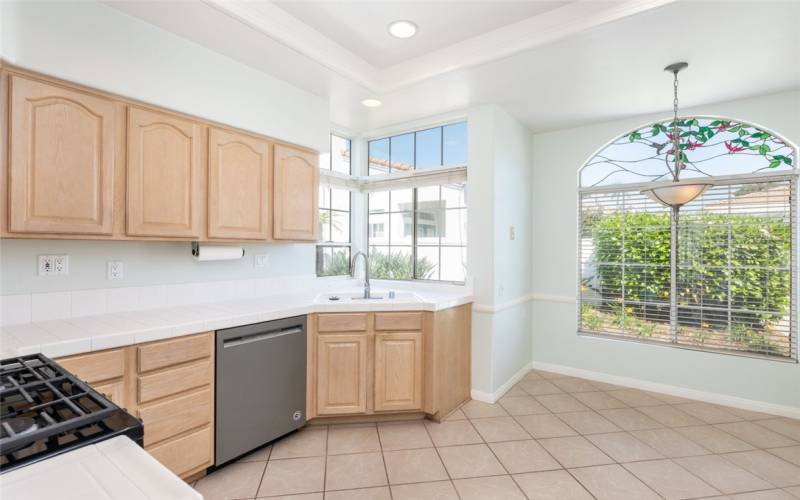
x=70, y=336
x=114, y=469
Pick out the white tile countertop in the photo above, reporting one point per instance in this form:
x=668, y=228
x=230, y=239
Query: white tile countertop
x=75, y=335
x=115, y=469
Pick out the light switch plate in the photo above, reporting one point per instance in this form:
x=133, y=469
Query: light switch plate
x=115, y=270
x=512, y=233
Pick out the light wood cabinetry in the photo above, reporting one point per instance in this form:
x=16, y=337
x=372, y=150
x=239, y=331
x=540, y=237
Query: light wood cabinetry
x=62, y=160
x=105, y=371
x=169, y=385
x=175, y=400
x=165, y=185
x=239, y=186
x=296, y=208
x=448, y=360
x=342, y=374
x=398, y=371
x=384, y=363
x=77, y=163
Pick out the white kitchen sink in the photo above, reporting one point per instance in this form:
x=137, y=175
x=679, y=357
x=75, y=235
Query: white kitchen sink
x=378, y=297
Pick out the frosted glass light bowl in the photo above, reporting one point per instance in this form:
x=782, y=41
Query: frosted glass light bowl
x=676, y=195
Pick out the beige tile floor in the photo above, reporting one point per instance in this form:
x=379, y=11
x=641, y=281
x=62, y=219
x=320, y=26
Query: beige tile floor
x=550, y=437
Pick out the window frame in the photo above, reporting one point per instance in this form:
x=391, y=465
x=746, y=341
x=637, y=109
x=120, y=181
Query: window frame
x=791, y=176
x=414, y=245
x=321, y=245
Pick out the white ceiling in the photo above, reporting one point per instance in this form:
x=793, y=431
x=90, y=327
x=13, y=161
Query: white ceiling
x=561, y=66
x=361, y=27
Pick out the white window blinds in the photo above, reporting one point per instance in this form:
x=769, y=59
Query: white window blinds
x=735, y=268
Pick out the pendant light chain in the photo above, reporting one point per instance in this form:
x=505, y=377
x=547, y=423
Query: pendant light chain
x=675, y=132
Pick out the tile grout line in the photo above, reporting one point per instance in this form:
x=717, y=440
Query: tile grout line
x=383, y=460
x=449, y=477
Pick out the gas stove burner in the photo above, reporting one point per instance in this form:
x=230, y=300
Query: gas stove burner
x=21, y=425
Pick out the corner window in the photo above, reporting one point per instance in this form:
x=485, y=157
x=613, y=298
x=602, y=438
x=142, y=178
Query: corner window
x=714, y=274
x=333, y=252
x=419, y=232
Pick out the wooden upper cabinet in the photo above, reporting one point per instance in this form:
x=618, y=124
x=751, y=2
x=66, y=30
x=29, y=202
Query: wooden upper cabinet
x=61, y=160
x=165, y=175
x=239, y=191
x=296, y=209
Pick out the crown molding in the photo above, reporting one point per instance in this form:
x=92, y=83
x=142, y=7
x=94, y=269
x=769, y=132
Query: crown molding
x=276, y=23
x=581, y=15
x=511, y=39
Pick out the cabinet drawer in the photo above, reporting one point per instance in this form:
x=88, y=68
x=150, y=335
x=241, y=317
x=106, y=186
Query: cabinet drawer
x=97, y=366
x=398, y=321
x=186, y=453
x=174, y=416
x=115, y=391
x=344, y=322
x=158, y=385
x=172, y=352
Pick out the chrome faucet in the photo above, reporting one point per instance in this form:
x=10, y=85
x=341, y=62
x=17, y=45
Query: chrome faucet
x=366, y=272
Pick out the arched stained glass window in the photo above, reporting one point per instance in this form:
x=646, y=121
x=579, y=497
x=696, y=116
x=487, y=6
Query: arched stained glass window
x=731, y=286
x=710, y=147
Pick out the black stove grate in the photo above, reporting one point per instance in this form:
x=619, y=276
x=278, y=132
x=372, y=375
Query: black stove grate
x=40, y=400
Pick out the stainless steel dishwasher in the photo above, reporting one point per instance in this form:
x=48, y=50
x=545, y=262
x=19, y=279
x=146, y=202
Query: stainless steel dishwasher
x=261, y=385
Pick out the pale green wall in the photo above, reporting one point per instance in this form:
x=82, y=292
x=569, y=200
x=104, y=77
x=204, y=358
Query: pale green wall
x=556, y=159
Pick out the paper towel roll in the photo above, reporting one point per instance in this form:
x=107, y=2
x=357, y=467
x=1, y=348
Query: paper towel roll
x=216, y=252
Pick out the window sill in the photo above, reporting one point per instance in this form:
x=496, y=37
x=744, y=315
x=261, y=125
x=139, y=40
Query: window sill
x=741, y=354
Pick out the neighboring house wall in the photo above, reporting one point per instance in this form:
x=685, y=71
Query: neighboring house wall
x=557, y=156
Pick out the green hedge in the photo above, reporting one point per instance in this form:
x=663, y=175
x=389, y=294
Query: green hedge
x=703, y=260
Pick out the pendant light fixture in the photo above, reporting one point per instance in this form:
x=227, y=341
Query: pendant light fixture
x=676, y=194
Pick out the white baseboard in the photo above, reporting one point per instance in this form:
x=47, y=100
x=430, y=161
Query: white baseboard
x=709, y=397
x=493, y=397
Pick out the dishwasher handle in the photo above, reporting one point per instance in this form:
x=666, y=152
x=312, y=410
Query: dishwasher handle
x=259, y=336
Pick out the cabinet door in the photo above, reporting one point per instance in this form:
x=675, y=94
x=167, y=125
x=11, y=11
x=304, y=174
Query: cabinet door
x=398, y=371
x=238, y=186
x=61, y=160
x=296, y=208
x=341, y=374
x=164, y=175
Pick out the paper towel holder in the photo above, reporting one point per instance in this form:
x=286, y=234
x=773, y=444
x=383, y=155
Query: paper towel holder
x=196, y=252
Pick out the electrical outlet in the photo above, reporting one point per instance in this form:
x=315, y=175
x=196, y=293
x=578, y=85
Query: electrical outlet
x=261, y=260
x=114, y=270
x=53, y=265
x=512, y=233
x=46, y=265
x=61, y=264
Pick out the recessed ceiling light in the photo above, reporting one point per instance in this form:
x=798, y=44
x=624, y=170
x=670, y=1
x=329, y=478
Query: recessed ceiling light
x=371, y=103
x=402, y=29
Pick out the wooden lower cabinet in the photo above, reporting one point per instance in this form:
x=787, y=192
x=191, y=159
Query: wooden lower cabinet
x=342, y=374
x=167, y=384
x=384, y=362
x=398, y=371
x=187, y=454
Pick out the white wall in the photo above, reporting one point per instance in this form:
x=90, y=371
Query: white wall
x=500, y=177
x=98, y=46
x=556, y=159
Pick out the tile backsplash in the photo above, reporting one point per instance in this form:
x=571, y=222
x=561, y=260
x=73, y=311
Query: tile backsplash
x=24, y=308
